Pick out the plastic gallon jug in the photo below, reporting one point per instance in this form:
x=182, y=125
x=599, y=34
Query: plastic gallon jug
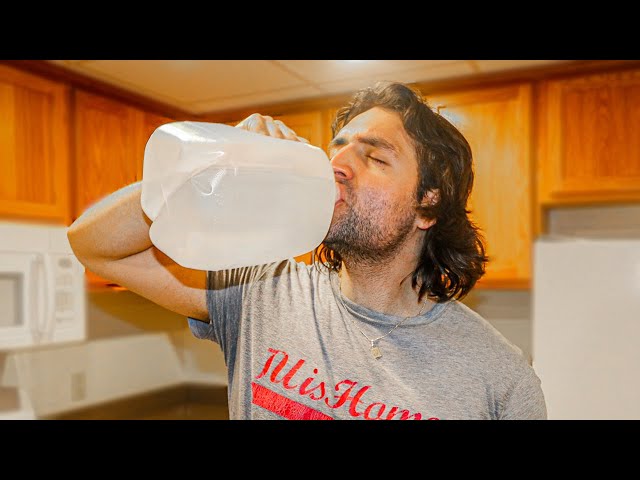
x=222, y=197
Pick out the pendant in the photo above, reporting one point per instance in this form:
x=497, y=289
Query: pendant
x=375, y=351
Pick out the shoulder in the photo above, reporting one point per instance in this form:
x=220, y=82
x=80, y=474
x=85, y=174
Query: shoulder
x=285, y=274
x=477, y=337
x=502, y=364
x=287, y=268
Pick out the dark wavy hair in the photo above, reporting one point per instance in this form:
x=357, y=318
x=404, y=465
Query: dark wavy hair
x=453, y=253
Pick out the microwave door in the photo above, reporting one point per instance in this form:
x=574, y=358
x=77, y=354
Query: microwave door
x=23, y=299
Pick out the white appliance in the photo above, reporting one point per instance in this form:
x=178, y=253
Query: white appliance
x=42, y=287
x=586, y=327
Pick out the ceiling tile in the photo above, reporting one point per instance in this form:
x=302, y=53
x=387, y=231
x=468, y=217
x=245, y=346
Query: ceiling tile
x=189, y=81
x=423, y=73
x=322, y=71
x=201, y=86
x=258, y=98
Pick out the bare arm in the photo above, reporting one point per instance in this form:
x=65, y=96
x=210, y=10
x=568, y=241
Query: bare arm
x=112, y=239
x=114, y=228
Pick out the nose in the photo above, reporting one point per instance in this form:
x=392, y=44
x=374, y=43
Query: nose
x=342, y=163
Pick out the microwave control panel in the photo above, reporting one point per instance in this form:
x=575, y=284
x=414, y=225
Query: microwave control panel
x=66, y=277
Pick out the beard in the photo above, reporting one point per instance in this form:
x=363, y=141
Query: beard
x=370, y=229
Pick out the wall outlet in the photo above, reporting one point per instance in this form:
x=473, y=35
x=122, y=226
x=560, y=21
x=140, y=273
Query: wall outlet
x=78, y=386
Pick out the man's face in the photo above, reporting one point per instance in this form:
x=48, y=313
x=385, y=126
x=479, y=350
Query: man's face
x=376, y=173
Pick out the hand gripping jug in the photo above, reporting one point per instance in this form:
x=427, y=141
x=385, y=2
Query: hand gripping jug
x=222, y=197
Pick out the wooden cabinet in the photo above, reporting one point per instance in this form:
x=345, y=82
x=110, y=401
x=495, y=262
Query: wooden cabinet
x=327, y=119
x=34, y=147
x=496, y=122
x=588, y=139
x=310, y=126
x=307, y=125
x=110, y=138
x=146, y=123
x=107, y=156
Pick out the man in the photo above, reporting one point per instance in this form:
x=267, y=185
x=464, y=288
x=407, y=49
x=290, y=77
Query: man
x=374, y=329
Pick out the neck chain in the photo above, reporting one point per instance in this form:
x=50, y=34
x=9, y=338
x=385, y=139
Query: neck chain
x=375, y=349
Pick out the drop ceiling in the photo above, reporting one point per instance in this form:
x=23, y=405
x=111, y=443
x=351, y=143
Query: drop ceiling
x=209, y=86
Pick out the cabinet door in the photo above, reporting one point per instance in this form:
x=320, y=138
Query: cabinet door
x=496, y=122
x=146, y=124
x=105, y=145
x=34, y=147
x=327, y=119
x=307, y=125
x=589, y=139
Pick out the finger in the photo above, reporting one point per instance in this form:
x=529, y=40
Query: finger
x=274, y=130
x=287, y=132
x=304, y=140
x=244, y=123
x=257, y=124
x=254, y=123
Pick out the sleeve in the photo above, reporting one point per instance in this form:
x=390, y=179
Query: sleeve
x=526, y=400
x=226, y=291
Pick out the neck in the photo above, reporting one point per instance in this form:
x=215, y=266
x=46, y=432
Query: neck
x=384, y=286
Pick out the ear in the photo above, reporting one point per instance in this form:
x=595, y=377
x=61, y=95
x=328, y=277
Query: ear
x=432, y=197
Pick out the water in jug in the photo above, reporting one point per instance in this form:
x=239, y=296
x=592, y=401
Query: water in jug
x=222, y=197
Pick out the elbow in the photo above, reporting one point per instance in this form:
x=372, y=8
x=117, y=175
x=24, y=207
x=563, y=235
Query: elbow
x=72, y=238
x=77, y=245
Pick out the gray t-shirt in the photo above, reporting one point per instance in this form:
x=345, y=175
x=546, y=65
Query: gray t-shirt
x=294, y=352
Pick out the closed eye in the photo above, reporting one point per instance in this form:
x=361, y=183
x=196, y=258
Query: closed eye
x=377, y=160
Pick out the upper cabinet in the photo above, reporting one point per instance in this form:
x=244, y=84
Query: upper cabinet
x=107, y=156
x=588, y=139
x=110, y=138
x=34, y=147
x=306, y=125
x=147, y=123
x=536, y=143
x=496, y=122
x=328, y=115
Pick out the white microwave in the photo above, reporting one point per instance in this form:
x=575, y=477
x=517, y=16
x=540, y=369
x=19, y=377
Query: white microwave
x=42, y=287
